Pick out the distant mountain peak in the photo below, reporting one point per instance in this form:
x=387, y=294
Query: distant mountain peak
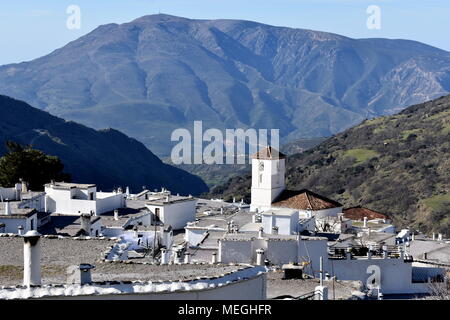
x=160, y=72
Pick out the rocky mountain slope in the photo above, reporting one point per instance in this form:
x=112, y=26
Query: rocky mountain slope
x=106, y=157
x=159, y=72
x=398, y=164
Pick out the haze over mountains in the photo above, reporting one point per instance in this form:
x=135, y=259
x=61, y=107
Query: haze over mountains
x=159, y=72
x=107, y=157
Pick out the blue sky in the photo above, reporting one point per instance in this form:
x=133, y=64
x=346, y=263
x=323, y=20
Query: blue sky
x=30, y=28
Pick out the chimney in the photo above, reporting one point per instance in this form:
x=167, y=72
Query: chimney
x=275, y=230
x=187, y=257
x=369, y=252
x=127, y=191
x=260, y=232
x=425, y=255
x=31, y=259
x=20, y=230
x=80, y=274
x=164, y=256
x=86, y=223
x=214, y=258
x=259, y=257
x=116, y=215
x=349, y=253
x=177, y=257
x=385, y=252
x=7, y=208
x=434, y=236
x=365, y=222
x=234, y=199
x=24, y=186
x=440, y=237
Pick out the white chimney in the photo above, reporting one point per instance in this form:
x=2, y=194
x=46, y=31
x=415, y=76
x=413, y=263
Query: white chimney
x=24, y=187
x=31, y=259
x=385, y=252
x=19, y=230
x=187, y=257
x=7, y=208
x=259, y=257
x=365, y=222
x=127, y=191
x=214, y=258
x=116, y=215
x=434, y=236
x=260, y=232
x=440, y=237
x=80, y=274
x=164, y=256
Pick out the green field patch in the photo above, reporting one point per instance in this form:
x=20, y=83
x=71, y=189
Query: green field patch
x=439, y=202
x=361, y=155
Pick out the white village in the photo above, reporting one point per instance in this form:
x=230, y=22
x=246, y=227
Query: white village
x=72, y=241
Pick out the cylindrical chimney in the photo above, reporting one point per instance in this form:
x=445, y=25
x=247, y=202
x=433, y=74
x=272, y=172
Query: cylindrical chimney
x=187, y=257
x=365, y=222
x=31, y=259
x=434, y=236
x=164, y=256
x=261, y=232
x=20, y=230
x=259, y=257
x=7, y=208
x=385, y=252
x=214, y=258
x=116, y=215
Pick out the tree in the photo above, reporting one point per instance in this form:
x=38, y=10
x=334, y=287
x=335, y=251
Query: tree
x=31, y=165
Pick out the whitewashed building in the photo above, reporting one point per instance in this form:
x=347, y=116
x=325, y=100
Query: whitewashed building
x=175, y=211
x=17, y=220
x=75, y=199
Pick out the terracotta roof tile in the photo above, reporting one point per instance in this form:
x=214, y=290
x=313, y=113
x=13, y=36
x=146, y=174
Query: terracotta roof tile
x=268, y=153
x=358, y=213
x=304, y=200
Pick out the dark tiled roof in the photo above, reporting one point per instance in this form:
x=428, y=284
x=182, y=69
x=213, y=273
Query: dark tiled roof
x=268, y=153
x=358, y=213
x=304, y=200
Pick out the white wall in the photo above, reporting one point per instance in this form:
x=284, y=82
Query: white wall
x=235, y=251
x=194, y=236
x=266, y=184
x=60, y=202
x=176, y=214
x=12, y=224
x=281, y=252
x=251, y=289
x=396, y=275
x=286, y=224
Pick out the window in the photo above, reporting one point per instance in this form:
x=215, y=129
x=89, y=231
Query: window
x=91, y=196
x=32, y=224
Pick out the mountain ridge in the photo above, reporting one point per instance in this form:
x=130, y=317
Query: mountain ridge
x=157, y=73
x=106, y=157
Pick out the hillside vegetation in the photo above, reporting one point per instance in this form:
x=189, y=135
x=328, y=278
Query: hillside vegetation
x=399, y=165
x=107, y=157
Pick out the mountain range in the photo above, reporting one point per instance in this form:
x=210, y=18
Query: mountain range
x=106, y=157
x=398, y=165
x=160, y=72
